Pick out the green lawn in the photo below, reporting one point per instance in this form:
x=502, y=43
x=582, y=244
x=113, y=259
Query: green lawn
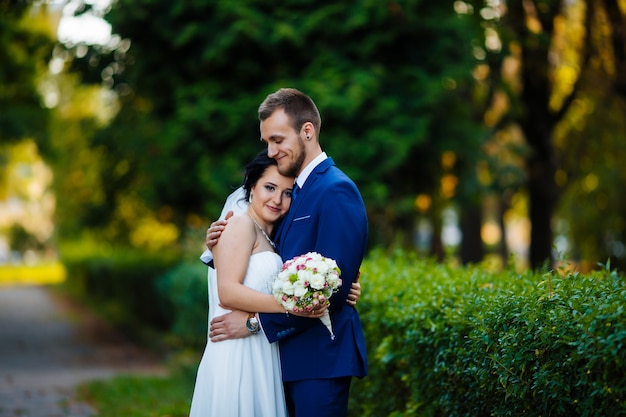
x=135, y=396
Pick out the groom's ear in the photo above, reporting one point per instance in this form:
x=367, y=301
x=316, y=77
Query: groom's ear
x=307, y=132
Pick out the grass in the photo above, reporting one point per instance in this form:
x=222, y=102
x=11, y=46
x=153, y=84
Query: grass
x=140, y=396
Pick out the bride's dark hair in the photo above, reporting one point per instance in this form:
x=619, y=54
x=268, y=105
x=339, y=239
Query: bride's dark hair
x=254, y=170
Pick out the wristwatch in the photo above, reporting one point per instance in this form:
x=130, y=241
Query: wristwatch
x=252, y=324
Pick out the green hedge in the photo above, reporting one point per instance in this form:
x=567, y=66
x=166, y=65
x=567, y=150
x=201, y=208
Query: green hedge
x=185, y=287
x=442, y=340
x=447, y=341
x=158, y=298
x=121, y=284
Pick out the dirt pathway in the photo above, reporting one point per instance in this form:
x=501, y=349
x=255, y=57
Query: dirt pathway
x=48, y=346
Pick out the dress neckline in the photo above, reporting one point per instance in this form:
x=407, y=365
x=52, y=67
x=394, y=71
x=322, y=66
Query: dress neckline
x=265, y=251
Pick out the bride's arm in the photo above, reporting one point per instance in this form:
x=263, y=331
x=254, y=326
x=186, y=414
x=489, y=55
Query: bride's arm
x=232, y=255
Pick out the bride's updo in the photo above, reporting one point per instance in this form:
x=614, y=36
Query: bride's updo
x=254, y=170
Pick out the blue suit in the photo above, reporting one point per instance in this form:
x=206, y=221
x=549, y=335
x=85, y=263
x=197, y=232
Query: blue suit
x=328, y=216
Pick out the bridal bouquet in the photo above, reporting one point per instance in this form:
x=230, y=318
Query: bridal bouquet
x=307, y=281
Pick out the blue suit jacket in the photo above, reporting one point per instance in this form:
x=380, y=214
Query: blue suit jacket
x=328, y=216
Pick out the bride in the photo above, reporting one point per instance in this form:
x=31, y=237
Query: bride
x=242, y=377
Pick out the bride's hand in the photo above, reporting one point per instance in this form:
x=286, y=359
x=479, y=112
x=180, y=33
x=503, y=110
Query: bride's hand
x=313, y=314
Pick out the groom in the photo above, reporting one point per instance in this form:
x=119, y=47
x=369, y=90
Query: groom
x=327, y=215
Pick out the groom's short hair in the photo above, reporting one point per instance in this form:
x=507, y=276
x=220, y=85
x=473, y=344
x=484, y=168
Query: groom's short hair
x=298, y=106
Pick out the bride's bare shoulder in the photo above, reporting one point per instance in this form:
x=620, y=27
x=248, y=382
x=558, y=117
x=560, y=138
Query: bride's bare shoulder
x=239, y=222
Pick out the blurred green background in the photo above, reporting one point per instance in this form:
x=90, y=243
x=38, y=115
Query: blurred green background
x=488, y=133
x=475, y=130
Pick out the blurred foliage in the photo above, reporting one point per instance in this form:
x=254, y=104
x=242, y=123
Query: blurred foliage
x=25, y=183
x=592, y=148
x=591, y=212
x=539, y=65
x=386, y=76
x=25, y=46
x=121, y=284
x=22, y=240
x=521, y=53
x=152, y=296
x=426, y=105
x=185, y=289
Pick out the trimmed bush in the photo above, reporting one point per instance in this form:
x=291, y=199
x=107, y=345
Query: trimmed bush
x=185, y=288
x=446, y=341
x=158, y=298
x=121, y=285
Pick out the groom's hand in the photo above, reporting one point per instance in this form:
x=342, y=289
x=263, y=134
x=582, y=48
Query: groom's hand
x=229, y=326
x=355, y=294
x=355, y=291
x=214, y=232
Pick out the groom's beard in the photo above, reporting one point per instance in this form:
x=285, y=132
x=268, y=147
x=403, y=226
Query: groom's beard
x=294, y=168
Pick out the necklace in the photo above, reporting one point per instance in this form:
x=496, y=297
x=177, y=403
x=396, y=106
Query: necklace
x=263, y=231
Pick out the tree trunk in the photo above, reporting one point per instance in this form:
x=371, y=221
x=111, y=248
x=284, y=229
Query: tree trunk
x=538, y=126
x=503, y=206
x=436, y=249
x=472, y=250
x=618, y=42
x=537, y=122
x=542, y=198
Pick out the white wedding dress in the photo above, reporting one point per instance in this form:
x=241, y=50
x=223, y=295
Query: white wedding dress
x=241, y=377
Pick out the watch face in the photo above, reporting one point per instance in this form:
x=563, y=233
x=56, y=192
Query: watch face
x=252, y=324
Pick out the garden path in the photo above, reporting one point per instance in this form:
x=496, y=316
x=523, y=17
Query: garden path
x=49, y=345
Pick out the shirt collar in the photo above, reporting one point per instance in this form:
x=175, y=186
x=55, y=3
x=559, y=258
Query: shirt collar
x=301, y=179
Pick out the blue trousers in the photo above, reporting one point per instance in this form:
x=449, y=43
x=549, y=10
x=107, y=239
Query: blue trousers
x=318, y=397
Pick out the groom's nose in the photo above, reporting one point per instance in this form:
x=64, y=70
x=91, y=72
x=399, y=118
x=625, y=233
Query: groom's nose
x=272, y=149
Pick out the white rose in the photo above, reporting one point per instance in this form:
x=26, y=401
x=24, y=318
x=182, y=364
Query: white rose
x=333, y=280
x=322, y=267
x=299, y=289
x=288, y=288
x=305, y=275
x=289, y=304
x=317, y=281
x=313, y=255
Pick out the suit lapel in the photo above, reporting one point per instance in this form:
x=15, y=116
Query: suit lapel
x=298, y=207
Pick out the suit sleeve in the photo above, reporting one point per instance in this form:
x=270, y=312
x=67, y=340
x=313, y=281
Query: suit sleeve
x=343, y=235
x=278, y=326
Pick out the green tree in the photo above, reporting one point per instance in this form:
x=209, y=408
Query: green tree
x=584, y=142
x=391, y=80
x=591, y=145
x=559, y=66
x=25, y=46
